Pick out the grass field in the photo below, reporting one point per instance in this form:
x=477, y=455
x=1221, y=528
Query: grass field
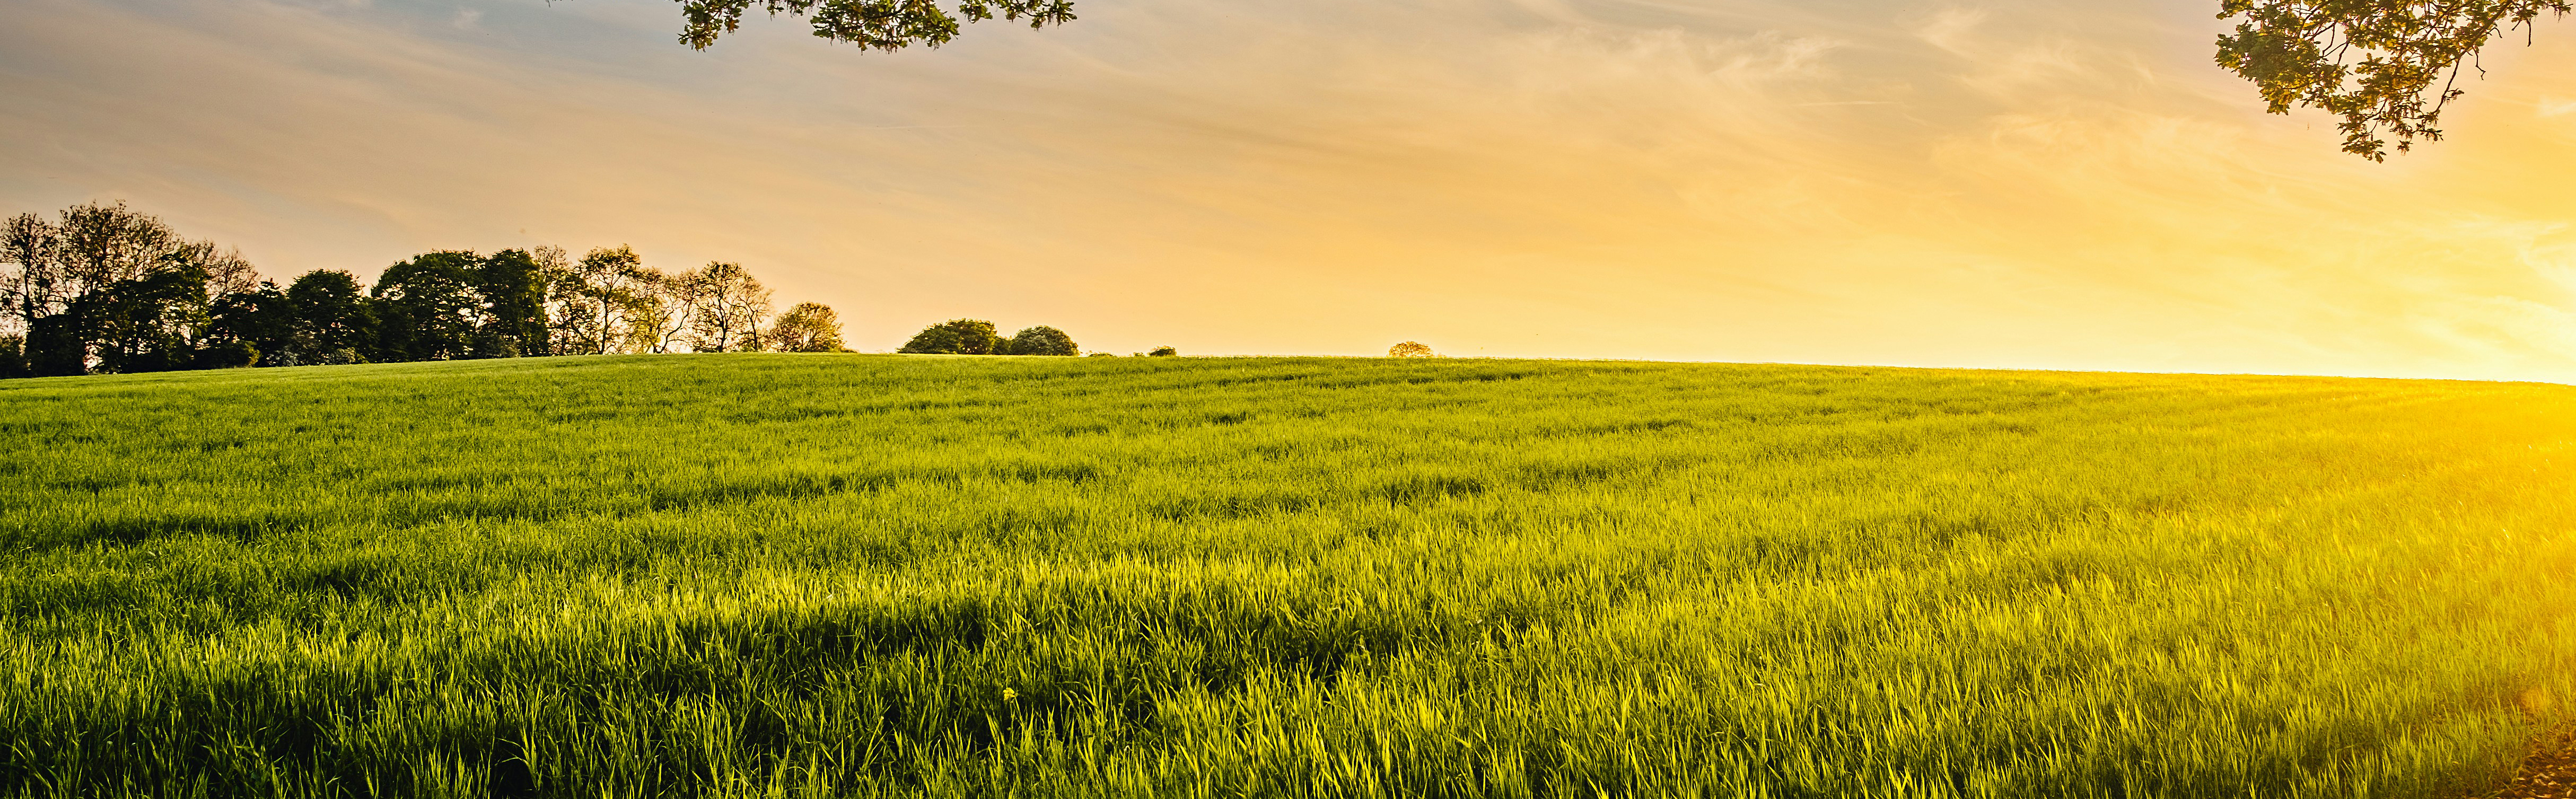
x=878, y=575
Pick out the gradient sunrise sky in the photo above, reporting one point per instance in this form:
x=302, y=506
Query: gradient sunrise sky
x=2034, y=184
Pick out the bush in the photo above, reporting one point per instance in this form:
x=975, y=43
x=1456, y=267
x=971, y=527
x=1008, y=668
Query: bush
x=1043, y=340
x=13, y=356
x=1410, y=349
x=1165, y=351
x=1103, y=355
x=55, y=348
x=339, y=357
x=233, y=354
x=954, y=337
x=935, y=340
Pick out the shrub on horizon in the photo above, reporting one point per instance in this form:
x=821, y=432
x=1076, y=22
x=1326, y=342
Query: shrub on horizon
x=1410, y=349
x=235, y=354
x=953, y=337
x=1043, y=340
x=935, y=340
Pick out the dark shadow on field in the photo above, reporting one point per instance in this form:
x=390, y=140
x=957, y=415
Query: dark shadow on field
x=414, y=501
x=888, y=690
x=132, y=530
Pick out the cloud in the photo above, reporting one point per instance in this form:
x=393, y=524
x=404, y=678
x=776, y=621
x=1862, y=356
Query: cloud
x=2009, y=184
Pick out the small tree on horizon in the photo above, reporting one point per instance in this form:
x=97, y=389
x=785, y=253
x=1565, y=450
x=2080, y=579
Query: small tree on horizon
x=1043, y=340
x=962, y=337
x=730, y=305
x=932, y=340
x=1410, y=349
x=807, y=327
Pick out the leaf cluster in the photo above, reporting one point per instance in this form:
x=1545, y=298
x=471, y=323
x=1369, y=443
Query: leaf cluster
x=2387, y=67
x=885, y=25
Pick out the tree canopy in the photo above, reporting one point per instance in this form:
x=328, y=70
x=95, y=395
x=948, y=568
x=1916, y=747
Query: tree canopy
x=108, y=289
x=2387, y=67
x=886, y=25
x=1043, y=340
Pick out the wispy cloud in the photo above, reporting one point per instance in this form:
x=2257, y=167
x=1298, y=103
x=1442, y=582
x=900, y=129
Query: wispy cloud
x=2007, y=184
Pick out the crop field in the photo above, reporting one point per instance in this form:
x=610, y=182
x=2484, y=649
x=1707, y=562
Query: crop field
x=852, y=575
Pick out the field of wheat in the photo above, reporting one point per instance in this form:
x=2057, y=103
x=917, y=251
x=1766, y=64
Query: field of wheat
x=850, y=575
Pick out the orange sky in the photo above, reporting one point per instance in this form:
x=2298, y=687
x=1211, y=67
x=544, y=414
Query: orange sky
x=2013, y=184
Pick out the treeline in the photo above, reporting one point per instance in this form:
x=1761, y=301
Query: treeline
x=105, y=289
x=979, y=337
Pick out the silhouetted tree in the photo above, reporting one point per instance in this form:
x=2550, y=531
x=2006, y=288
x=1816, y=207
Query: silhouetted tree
x=263, y=318
x=13, y=356
x=886, y=25
x=664, y=312
x=333, y=321
x=82, y=284
x=806, y=327
x=428, y=307
x=512, y=287
x=1043, y=340
x=595, y=302
x=728, y=309
x=104, y=244
x=1165, y=351
x=1409, y=349
x=227, y=355
x=35, y=286
x=55, y=347
x=146, y=324
x=2385, y=66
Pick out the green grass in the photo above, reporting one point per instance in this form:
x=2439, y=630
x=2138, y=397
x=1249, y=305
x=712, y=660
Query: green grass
x=875, y=575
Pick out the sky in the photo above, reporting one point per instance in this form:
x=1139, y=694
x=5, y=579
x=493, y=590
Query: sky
x=2027, y=184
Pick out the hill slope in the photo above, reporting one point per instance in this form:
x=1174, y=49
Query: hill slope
x=717, y=575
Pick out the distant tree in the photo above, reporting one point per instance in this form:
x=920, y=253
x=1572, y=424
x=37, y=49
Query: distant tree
x=104, y=244
x=2384, y=66
x=429, y=307
x=55, y=346
x=1165, y=351
x=1409, y=349
x=13, y=356
x=146, y=324
x=1102, y=355
x=1043, y=340
x=60, y=265
x=807, y=327
x=227, y=355
x=226, y=270
x=512, y=287
x=35, y=287
x=331, y=315
x=665, y=310
x=729, y=307
x=262, y=318
x=969, y=337
x=599, y=303
x=885, y=25
x=934, y=340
